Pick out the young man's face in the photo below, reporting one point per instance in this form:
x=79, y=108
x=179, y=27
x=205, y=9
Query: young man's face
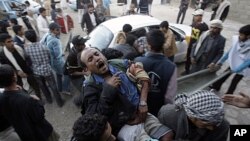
x=56, y=31
x=94, y=61
x=243, y=37
x=43, y=13
x=9, y=43
x=202, y=124
x=79, y=48
x=132, y=7
x=91, y=10
x=21, y=32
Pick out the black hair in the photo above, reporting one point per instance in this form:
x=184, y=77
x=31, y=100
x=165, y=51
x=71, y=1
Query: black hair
x=58, y=10
x=130, y=39
x=7, y=74
x=14, y=21
x=164, y=24
x=89, y=127
x=31, y=35
x=53, y=6
x=3, y=26
x=156, y=40
x=245, y=30
x=141, y=32
x=82, y=64
x=90, y=5
x=111, y=53
x=16, y=28
x=41, y=10
x=4, y=36
x=27, y=3
x=127, y=28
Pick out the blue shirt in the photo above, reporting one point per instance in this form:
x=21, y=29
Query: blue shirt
x=127, y=87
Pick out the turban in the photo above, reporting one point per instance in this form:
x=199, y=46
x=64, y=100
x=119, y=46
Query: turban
x=203, y=105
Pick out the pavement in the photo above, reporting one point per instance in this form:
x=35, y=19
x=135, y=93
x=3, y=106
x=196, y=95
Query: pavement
x=69, y=112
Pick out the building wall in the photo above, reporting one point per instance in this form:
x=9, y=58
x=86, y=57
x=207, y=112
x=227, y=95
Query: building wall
x=240, y=11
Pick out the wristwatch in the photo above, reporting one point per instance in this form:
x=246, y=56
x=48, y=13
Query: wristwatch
x=143, y=103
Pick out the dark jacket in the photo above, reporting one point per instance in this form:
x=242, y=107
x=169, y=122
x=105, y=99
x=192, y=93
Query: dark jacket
x=19, y=42
x=215, y=52
x=26, y=69
x=106, y=100
x=26, y=115
x=126, y=49
x=86, y=20
x=176, y=119
x=160, y=71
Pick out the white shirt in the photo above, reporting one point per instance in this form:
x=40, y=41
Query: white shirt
x=43, y=25
x=92, y=17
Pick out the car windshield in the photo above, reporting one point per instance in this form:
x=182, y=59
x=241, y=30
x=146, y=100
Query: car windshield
x=179, y=30
x=100, y=37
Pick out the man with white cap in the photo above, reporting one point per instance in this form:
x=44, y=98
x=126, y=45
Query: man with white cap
x=197, y=116
x=198, y=27
x=209, y=48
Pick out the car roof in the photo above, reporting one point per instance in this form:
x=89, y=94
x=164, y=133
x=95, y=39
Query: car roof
x=136, y=21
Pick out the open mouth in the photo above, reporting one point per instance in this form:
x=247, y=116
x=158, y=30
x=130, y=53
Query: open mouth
x=100, y=65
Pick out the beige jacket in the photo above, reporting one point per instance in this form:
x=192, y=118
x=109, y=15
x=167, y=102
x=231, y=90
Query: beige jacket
x=169, y=48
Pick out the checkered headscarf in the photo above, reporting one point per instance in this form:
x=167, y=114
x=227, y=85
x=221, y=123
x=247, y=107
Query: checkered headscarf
x=203, y=105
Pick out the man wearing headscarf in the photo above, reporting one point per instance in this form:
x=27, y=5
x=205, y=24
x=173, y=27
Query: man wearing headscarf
x=198, y=116
x=209, y=47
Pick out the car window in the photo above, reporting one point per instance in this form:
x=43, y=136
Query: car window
x=176, y=35
x=153, y=27
x=100, y=37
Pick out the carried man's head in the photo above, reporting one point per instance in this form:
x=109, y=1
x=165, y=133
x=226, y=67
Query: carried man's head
x=94, y=61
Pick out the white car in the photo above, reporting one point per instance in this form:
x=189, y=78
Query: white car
x=104, y=35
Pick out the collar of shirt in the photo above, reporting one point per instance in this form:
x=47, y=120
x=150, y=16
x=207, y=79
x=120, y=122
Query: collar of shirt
x=21, y=38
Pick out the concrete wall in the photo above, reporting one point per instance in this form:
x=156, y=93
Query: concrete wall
x=240, y=11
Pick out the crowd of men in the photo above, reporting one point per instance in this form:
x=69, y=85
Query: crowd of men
x=125, y=93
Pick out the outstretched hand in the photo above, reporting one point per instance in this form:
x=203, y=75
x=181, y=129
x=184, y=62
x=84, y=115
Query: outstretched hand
x=241, y=100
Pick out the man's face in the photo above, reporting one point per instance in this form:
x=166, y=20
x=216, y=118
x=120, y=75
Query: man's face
x=198, y=18
x=242, y=37
x=43, y=13
x=132, y=7
x=56, y=31
x=9, y=43
x=21, y=32
x=215, y=30
x=79, y=48
x=95, y=61
x=202, y=124
x=91, y=10
x=163, y=29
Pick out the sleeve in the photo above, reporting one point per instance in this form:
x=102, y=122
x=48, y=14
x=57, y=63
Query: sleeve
x=223, y=58
x=95, y=104
x=242, y=66
x=171, y=88
x=55, y=49
x=220, y=51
